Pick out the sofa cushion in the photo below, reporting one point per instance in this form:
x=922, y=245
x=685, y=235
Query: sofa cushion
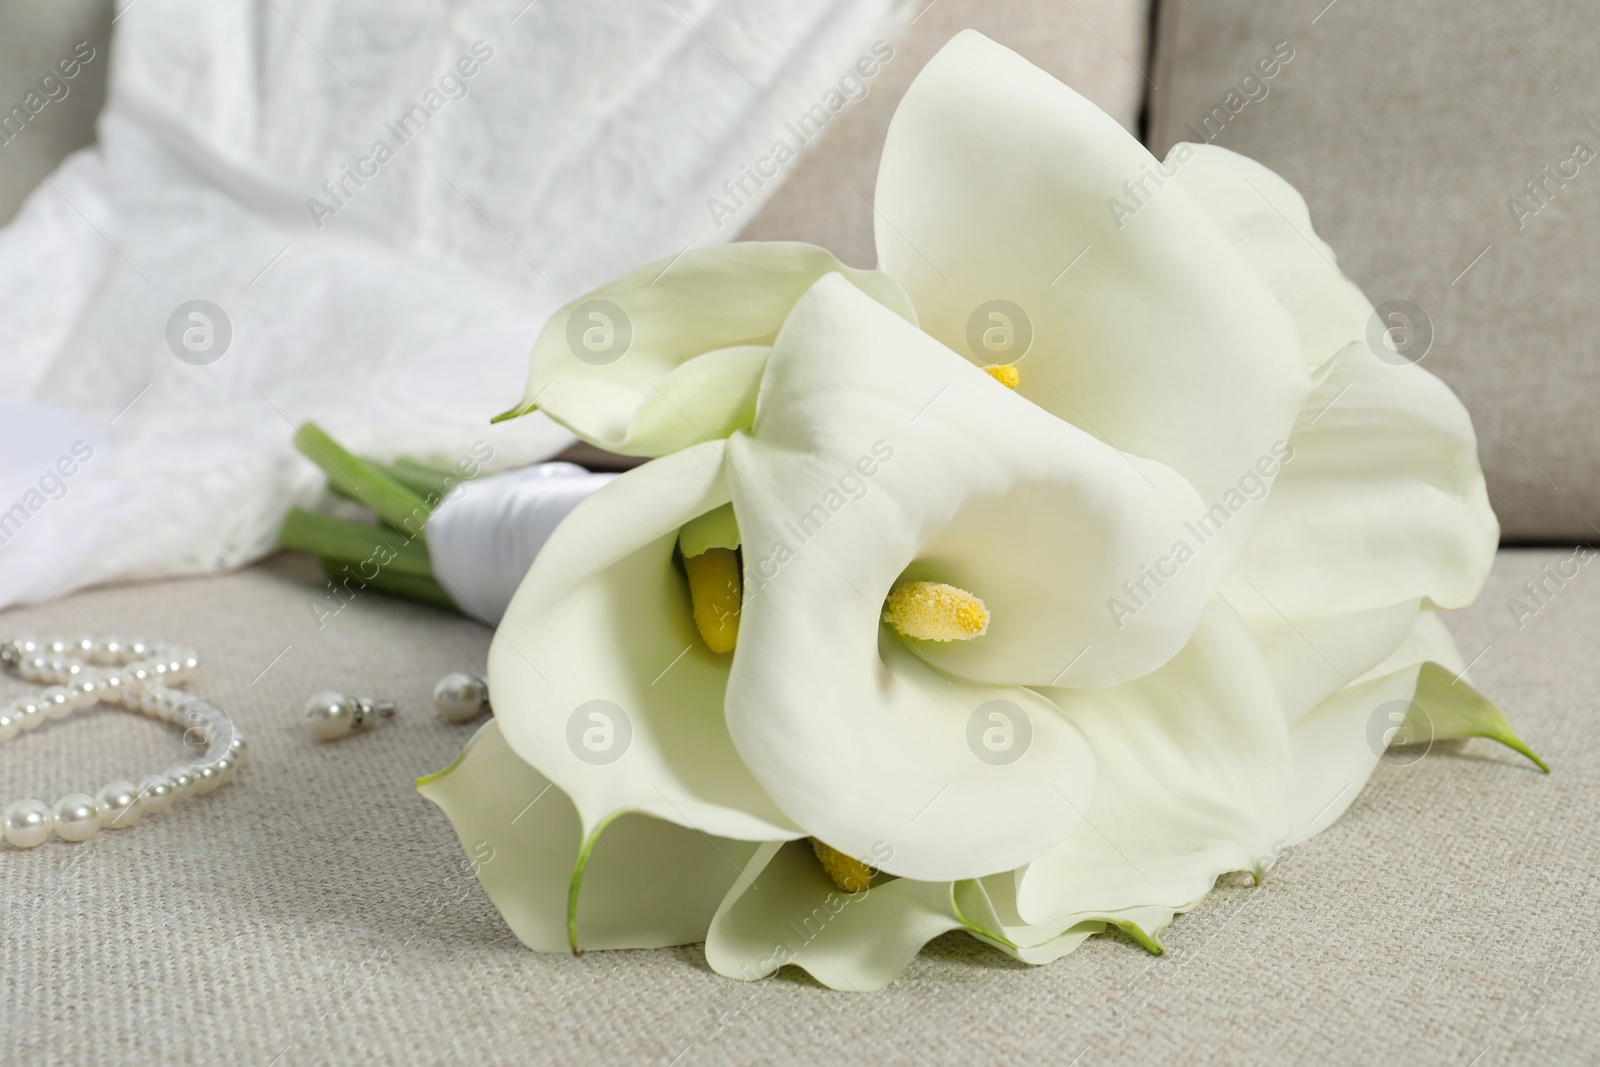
x=320, y=906
x=1450, y=154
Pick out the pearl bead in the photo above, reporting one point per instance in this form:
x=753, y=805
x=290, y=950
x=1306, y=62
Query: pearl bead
x=55, y=645
x=9, y=726
x=227, y=770
x=29, y=714
x=26, y=823
x=137, y=649
x=118, y=805
x=76, y=818
x=168, y=702
x=330, y=715
x=156, y=793
x=460, y=697
x=86, y=691
x=238, y=747
x=56, y=701
x=183, y=782
x=207, y=779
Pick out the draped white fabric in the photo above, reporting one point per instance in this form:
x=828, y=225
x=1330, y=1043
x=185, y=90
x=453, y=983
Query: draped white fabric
x=531, y=151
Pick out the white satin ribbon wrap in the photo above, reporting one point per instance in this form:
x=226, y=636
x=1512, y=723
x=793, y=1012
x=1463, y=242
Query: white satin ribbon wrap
x=483, y=539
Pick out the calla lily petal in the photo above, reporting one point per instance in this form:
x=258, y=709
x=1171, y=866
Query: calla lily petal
x=998, y=195
x=648, y=883
x=861, y=735
x=1338, y=744
x=1381, y=499
x=670, y=355
x=1194, y=782
x=600, y=679
x=1310, y=659
x=1418, y=695
x=1447, y=708
x=703, y=399
x=786, y=910
x=1268, y=221
x=992, y=904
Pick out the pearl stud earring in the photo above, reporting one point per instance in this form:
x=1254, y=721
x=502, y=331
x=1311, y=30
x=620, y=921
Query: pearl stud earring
x=331, y=716
x=461, y=697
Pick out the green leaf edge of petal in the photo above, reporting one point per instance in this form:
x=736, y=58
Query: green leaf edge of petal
x=429, y=779
x=514, y=413
x=579, y=865
x=977, y=930
x=1455, y=710
x=1148, y=942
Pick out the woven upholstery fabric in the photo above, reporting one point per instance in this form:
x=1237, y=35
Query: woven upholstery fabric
x=316, y=910
x=1096, y=46
x=1410, y=129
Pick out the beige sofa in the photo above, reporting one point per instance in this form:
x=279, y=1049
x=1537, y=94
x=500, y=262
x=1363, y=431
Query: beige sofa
x=316, y=911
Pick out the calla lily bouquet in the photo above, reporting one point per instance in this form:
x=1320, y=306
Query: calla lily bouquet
x=1022, y=586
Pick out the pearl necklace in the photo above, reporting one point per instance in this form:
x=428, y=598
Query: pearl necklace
x=84, y=671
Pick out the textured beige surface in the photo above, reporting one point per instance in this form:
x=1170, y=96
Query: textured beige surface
x=1096, y=46
x=33, y=38
x=1408, y=128
x=316, y=909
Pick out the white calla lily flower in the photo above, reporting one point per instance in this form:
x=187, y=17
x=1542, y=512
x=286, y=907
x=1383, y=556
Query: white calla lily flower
x=1153, y=333
x=860, y=731
x=648, y=883
x=1029, y=648
x=672, y=354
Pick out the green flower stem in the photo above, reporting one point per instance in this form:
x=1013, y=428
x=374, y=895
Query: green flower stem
x=424, y=479
x=357, y=543
x=355, y=477
x=409, y=586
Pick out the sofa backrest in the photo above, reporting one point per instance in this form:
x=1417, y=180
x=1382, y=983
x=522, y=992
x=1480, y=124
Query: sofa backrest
x=1450, y=153
x=1096, y=46
x=44, y=113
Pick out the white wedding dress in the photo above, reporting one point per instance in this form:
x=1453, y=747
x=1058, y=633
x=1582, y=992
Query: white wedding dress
x=394, y=304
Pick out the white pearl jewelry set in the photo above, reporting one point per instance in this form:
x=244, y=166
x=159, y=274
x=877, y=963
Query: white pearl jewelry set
x=140, y=676
x=332, y=716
